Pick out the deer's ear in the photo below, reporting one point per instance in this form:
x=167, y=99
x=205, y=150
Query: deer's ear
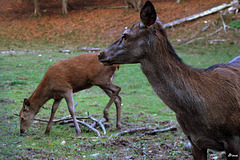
x=26, y=104
x=148, y=14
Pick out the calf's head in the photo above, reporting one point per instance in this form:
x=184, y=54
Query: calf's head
x=26, y=116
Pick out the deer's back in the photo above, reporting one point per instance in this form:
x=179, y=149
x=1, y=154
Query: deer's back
x=78, y=73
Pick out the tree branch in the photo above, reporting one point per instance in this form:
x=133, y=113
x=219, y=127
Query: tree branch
x=198, y=15
x=149, y=130
x=87, y=125
x=205, y=36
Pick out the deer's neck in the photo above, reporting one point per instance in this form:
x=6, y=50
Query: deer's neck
x=171, y=79
x=39, y=97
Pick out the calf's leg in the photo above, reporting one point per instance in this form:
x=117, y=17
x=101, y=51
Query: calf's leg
x=112, y=91
x=117, y=100
x=54, y=109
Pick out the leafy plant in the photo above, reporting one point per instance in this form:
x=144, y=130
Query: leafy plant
x=235, y=24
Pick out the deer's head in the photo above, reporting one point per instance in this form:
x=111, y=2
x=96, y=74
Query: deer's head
x=135, y=42
x=26, y=116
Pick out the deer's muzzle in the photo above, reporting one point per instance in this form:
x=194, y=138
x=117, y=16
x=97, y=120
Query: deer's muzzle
x=104, y=59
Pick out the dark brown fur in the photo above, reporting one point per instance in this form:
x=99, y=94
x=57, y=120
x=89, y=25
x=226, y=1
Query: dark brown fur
x=206, y=101
x=63, y=79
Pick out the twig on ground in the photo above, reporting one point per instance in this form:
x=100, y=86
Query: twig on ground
x=87, y=125
x=134, y=130
x=224, y=24
x=100, y=123
x=148, y=130
x=217, y=40
x=195, y=35
x=218, y=30
x=75, y=104
x=205, y=36
x=156, y=131
x=85, y=138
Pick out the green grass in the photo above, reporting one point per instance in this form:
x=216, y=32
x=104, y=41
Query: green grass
x=21, y=73
x=235, y=24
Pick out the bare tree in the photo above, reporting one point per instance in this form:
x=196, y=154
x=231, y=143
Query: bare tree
x=136, y=4
x=37, y=10
x=64, y=6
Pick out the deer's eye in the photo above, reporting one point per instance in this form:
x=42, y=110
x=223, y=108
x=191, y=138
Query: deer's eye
x=124, y=36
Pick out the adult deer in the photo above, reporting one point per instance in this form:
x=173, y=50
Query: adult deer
x=206, y=101
x=63, y=79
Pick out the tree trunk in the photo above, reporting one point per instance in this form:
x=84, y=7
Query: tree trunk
x=136, y=4
x=64, y=6
x=178, y=1
x=37, y=10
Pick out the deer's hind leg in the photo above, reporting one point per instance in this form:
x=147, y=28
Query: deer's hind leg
x=54, y=109
x=112, y=91
x=117, y=100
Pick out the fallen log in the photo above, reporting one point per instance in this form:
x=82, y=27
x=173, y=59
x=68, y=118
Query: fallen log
x=198, y=15
x=86, y=49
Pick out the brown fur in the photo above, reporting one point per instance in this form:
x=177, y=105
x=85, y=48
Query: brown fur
x=63, y=79
x=206, y=101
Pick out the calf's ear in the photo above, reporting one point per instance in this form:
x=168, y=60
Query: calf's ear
x=148, y=14
x=26, y=104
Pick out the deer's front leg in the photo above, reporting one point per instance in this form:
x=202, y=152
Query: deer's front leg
x=70, y=103
x=54, y=109
x=198, y=154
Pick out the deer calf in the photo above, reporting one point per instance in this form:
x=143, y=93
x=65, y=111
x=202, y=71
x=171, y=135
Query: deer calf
x=63, y=79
